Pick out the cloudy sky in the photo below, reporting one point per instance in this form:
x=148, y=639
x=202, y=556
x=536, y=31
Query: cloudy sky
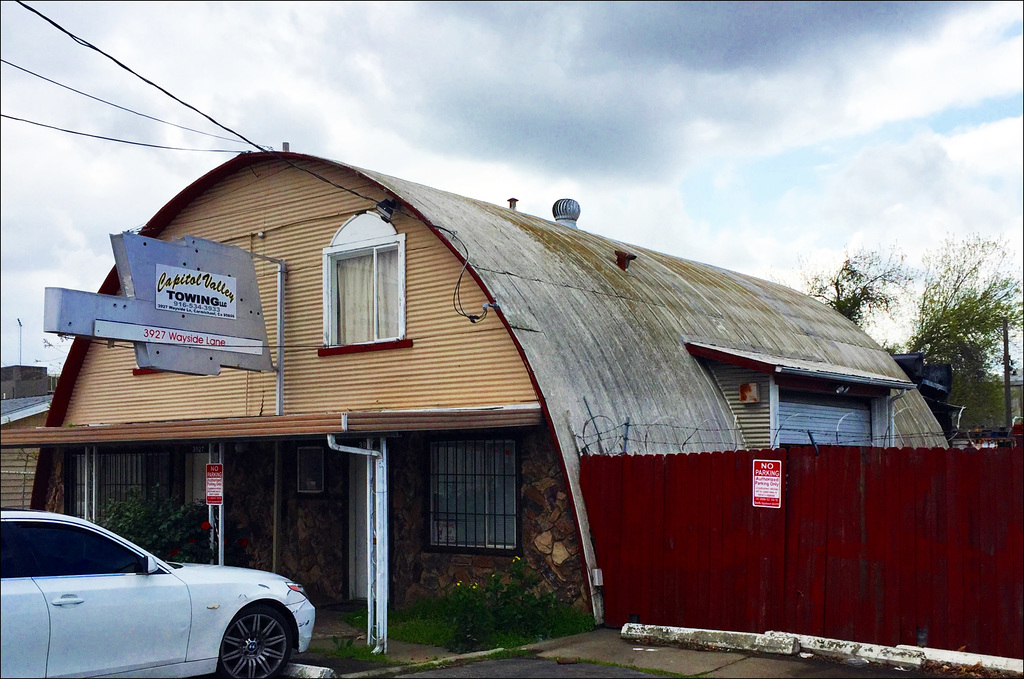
x=752, y=136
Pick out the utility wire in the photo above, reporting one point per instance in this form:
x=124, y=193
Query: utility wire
x=456, y=296
x=109, y=103
x=120, y=141
x=86, y=43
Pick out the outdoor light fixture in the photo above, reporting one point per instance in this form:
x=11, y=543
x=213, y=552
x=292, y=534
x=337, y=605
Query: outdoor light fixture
x=386, y=208
x=842, y=389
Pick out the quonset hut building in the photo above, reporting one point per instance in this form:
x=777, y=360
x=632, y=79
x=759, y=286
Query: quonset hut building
x=488, y=348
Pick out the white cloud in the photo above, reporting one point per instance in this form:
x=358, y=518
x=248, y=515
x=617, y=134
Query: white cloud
x=614, y=105
x=969, y=60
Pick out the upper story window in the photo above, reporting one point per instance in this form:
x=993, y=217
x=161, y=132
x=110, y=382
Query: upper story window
x=364, y=283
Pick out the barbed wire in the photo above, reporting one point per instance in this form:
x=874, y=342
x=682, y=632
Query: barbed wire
x=664, y=435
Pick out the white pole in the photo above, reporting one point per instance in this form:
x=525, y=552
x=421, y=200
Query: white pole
x=376, y=539
x=220, y=510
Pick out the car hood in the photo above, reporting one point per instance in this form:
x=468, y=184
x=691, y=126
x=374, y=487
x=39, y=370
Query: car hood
x=200, y=573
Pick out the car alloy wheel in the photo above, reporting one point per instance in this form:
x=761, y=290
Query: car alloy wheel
x=256, y=644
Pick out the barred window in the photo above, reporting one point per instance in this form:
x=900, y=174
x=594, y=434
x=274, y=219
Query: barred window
x=115, y=476
x=474, y=494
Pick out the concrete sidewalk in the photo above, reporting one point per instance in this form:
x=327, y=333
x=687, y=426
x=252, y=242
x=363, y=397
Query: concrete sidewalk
x=603, y=646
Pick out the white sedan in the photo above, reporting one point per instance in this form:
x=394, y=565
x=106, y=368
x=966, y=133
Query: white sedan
x=79, y=601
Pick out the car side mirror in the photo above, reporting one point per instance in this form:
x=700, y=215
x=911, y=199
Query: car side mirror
x=151, y=566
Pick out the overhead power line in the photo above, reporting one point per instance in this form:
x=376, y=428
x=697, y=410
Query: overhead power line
x=120, y=141
x=86, y=43
x=109, y=103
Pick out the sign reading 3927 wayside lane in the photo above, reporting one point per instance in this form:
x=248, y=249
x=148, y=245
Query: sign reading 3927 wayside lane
x=195, y=292
x=189, y=306
x=767, y=486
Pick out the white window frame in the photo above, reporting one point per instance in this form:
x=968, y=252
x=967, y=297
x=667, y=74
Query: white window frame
x=341, y=249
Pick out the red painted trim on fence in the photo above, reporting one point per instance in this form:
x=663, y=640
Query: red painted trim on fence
x=871, y=545
x=362, y=348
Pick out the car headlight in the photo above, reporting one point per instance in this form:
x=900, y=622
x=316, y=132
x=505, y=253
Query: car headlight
x=296, y=587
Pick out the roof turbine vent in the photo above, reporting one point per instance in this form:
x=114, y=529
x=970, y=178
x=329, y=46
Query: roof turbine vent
x=566, y=212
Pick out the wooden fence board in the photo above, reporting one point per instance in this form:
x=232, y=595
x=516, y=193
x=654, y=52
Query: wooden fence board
x=955, y=550
x=870, y=545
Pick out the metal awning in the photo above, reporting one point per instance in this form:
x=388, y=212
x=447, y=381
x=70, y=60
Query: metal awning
x=781, y=365
x=278, y=426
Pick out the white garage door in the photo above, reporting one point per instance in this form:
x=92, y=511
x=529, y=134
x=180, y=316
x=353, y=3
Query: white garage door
x=831, y=420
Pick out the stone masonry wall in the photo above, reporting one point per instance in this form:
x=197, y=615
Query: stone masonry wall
x=313, y=527
x=549, y=543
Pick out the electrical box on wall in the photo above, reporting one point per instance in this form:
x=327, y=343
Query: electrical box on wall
x=748, y=392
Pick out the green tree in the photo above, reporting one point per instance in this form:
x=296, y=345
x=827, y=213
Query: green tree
x=970, y=286
x=867, y=282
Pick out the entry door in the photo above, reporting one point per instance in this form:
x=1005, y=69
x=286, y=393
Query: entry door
x=831, y=420
x=357, y=559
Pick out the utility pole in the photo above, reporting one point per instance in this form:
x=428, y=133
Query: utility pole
x=19, y=341
x=1006, y=376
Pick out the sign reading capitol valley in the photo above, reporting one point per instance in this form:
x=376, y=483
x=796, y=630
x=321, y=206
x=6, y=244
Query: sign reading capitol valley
x=195, y=292
x=188, y=306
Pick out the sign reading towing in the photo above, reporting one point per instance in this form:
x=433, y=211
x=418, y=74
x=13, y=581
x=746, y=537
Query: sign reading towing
x=188, y=306
x=195, y=292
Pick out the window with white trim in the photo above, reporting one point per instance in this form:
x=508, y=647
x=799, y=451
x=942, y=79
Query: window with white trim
x=364, y=283
x=474, y=494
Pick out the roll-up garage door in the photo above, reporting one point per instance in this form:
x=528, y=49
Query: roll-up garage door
x=831, y=420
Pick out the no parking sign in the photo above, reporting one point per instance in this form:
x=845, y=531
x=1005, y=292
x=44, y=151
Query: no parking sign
x=214, y=484
x=767, y=485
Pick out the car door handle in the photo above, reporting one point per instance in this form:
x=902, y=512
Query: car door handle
x=68, y=600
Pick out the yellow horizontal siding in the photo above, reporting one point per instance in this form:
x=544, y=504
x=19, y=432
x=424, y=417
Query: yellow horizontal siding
x=452, y=363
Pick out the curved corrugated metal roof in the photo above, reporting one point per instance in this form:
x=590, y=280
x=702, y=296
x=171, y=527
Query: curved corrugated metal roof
x=607, y=345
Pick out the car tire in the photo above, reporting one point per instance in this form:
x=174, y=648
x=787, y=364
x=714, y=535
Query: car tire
x=256, y=644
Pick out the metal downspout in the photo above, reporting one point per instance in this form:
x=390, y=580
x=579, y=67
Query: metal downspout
x=376, y=537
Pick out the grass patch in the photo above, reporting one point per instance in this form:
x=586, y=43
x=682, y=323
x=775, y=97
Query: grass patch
x=509, y=653
x=645, y=670
x=501, y=613
x=349, y=650
x=423, y=623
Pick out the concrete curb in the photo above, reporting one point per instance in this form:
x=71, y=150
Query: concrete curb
x=307, y=671
x=906, y=656
x=391, y=670
x=992, y=662
x=785, y=643
x=769, y=642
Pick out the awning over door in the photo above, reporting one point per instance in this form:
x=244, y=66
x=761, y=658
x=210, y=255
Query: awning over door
x=782, y=365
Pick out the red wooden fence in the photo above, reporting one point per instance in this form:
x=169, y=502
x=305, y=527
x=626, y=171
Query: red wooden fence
x=870, y=544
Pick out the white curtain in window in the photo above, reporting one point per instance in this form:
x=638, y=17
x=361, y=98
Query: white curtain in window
x=388, y=293
x=355, y=299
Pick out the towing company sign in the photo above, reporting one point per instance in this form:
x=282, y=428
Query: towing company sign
x=189, y=306
x=195, y=292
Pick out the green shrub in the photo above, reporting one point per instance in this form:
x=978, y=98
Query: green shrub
x=171, y=531
x=509, y=612
x=502, y=613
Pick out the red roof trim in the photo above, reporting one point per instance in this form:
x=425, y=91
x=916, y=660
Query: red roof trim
x=731, y=359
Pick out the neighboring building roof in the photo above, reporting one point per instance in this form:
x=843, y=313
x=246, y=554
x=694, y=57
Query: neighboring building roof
x=14, y=409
